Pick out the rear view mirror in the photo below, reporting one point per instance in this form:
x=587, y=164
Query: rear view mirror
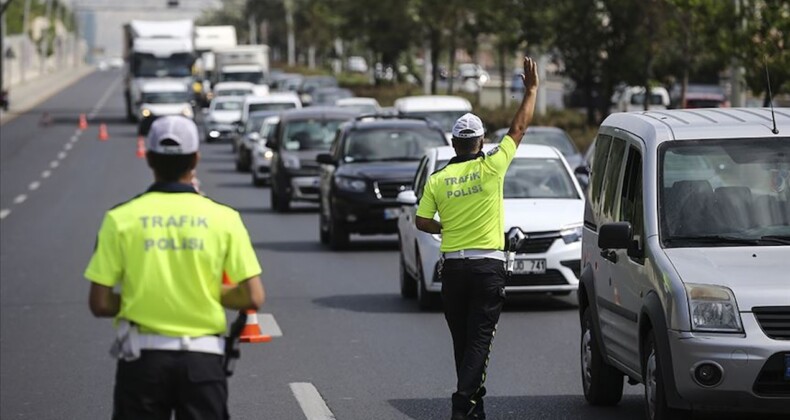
x=325, y=158
x=615, y=235
x=407, y=197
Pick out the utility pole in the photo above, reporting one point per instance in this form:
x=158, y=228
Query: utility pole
x=42, y=43
x=3, y=7
x=289, y=23
x=25, y=28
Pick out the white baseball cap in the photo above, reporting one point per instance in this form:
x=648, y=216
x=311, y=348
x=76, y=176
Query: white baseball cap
x=468, y=126
x=173, y=135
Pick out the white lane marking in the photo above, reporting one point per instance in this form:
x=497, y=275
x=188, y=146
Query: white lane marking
x=20, y=199
x=4, y=213
x=46, y=174
x=77, y=133
x=67, y=146
x=74, y=139
x=62, y=155
x=54, y=164
x=269, y=326
x=34, y=185
x=313, y=405
x=99, y=105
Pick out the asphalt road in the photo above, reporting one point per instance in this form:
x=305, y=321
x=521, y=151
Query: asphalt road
x=345, y=328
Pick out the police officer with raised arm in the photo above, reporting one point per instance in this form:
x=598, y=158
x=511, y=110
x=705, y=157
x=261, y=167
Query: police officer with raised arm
x=166, y=250
x=468, y=196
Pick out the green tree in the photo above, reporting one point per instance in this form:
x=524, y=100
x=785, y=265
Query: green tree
x=762, y=42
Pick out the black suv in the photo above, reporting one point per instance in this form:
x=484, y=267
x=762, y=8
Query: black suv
x=300, y=136
x=373, y=159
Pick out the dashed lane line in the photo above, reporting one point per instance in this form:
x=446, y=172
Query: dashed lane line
x=34, y=185
x=313, y=405
x=99, y=105
x=67, y=146
x=54, y=164
x=20, y=199
x=4, y=213
x=46, y=174
x=62, y=155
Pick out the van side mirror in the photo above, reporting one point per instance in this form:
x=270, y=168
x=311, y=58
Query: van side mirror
x=325, y=158
x=407, y=198
x=615, y=235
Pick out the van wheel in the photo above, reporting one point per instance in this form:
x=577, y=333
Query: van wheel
x=408, y=284
x=602, y=383
x=656, y=407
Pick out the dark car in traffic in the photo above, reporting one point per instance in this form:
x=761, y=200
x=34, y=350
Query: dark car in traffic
x=310, y=84
x=300, y=136
x=372, y=159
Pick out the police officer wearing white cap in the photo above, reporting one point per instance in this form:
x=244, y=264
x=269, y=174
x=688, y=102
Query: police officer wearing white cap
x=167, y=250
x=468, y=196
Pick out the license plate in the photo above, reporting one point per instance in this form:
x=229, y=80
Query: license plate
x=787, y=367
x=390, y=214
x=524, y=266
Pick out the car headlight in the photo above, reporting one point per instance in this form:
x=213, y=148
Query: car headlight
x=145, y=112
x=213, y=134
x=713, y=308
x=187, y=112
x=268, y=154
x=571, y=233
x=291, y=162
x=351, y=184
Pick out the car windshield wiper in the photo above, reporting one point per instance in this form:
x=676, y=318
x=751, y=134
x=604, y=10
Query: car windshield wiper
x=715, y=239
x=781, y=239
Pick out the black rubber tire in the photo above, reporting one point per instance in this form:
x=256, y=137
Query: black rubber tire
x=661, y=410
x=239, y=165
x=258, y=182
x=408, y=284
x=606, y=382
x=280, y=204
x=426, y=300
x=339, y=237
x=323, y=229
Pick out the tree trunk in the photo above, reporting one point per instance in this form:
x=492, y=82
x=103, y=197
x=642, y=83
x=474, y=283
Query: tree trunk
x=435, y=49
x=589, y=100
x=451, y=69
x=502, y=75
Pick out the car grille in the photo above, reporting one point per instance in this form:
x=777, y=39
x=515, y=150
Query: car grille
x=536, y=242
x=771, y=381
x=774, y=320
x=309, y=190
x=390, y=190
x=549, y=278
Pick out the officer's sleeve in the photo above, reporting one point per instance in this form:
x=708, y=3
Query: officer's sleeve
x=241, y=262
x=498, y=159
x=106, y=264
x=427, y=207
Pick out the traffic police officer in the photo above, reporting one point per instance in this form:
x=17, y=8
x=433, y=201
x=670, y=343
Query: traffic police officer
x=468, y=196
x=166, y=250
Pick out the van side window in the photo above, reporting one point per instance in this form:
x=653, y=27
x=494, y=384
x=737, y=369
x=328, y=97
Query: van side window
x=631, y=197
x=612, y=180
x=598, y=167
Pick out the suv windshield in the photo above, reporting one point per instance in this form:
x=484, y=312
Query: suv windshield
x=445, y=119
x=255, y=78
x=725, y=192
x=391, y=144
x=165, y=97
x=310, y=134
x=535, y=178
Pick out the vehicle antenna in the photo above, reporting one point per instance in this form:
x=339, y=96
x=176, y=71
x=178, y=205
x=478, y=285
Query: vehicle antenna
x=770, y=96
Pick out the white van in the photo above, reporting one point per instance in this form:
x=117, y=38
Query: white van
x=445, y=110
x=164, y=97
x=685, y=282
x=632, y=98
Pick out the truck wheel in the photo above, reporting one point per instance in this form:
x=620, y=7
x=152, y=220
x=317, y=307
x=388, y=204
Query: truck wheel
x=602, y=383
x=408, y=284
x=656, y=407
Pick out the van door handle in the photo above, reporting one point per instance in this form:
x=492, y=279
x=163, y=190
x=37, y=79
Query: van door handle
x=610, y=255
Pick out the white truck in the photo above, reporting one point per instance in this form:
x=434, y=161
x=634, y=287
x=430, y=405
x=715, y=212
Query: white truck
x=156, y=50
x=209, y=39
x=244, y=63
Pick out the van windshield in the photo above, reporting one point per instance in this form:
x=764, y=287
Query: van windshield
x=725, y=192
x=445, y=119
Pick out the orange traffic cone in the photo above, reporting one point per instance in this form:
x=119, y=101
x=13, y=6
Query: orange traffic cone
x=83, y=122
x=251, y=333
x=141, y=151
x=103, y=136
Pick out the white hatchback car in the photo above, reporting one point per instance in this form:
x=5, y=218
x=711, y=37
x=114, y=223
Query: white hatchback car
x=261, y=164
x=542, y=198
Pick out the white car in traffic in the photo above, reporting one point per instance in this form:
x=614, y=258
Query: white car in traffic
x=164, y=97
x=261, y=165
x=542, y=198
x=222, y=117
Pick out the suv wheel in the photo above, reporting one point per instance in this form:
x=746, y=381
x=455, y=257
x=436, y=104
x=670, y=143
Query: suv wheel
x=408, y=284
x=280, y=204
x=338, y=235
x=656, y=407
x=602, y=383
